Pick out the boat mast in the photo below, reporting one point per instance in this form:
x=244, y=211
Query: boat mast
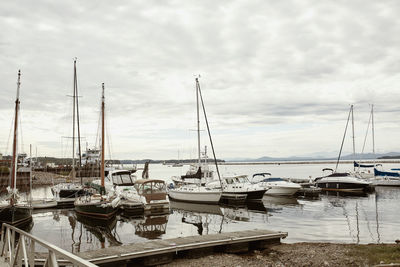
x=344, y=136
x=14, y=154
x=209, y=133
x=373, y=132
x=198, y=122
x=102, y=137
x=73, y=126
x=354, y=143
x=77, y=119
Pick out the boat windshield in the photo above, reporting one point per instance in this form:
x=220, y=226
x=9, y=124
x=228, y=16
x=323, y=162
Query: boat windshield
x=272, y=180
x=122, y=178
x=151, y=188
x=241, y=179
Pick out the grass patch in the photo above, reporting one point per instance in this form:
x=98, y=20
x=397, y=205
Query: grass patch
x=376, y=254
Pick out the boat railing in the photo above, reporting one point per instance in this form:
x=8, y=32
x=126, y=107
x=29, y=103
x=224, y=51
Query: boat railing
x=18, y=248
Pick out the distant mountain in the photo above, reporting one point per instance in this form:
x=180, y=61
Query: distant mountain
x=357, y=156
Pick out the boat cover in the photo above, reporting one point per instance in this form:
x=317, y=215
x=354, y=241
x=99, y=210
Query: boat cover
x=380, y=173
x=196, y=175
x=356, y=164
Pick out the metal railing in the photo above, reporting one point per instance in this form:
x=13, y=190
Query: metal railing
x=22, y=252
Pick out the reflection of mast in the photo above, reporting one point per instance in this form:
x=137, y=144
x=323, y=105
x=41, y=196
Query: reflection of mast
x=358, y=226
x=377, y=219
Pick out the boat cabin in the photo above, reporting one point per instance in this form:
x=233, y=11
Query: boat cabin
x=151, y=189
x=122, y=178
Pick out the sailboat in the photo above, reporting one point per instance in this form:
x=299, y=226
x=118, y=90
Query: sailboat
x=15, y=212
x=99, y=206
x=342, y=181
x=72, y=190
x=197, y=193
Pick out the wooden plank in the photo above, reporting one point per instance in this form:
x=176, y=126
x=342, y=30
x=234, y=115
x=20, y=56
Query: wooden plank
x=158, y=247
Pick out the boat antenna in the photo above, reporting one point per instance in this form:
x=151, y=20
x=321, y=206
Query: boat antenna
x=14, y=153
x=345, y=130
x=208, y=130
x=77, y=120
x=102, y=137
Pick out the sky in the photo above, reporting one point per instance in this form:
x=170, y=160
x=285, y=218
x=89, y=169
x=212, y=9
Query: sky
x=277, y=77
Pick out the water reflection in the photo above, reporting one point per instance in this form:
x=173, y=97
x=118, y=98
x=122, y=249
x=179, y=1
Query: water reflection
x=149, y=227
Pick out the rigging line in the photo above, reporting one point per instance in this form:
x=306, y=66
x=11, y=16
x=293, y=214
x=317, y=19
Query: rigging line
x=365, y=139
x=77, y=118
x=344, y=136
x=9, y=136
x=208, y=129
x=20, y=130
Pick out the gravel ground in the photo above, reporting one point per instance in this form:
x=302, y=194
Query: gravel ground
x=302, y=254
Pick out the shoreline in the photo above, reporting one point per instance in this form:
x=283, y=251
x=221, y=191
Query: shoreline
x=301, y=254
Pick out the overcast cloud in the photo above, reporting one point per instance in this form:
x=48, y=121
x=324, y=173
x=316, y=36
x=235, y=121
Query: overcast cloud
x=277, y=76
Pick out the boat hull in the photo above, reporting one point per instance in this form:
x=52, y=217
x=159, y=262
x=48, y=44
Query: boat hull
x=195, y=197
x=15, y=215
x=250, y=195
x=99, y=210
x=340, y=186
x=281, y=191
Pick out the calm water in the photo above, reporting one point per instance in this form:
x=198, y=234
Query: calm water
x=372, y=218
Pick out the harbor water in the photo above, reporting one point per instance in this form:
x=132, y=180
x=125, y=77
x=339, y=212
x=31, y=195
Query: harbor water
x=366, y=218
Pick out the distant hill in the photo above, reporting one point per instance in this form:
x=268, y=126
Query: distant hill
x=390, y=155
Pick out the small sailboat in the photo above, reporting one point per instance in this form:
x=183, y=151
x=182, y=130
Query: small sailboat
x=197, y=193
x=342, y=181
x=15, y=212
x=100, y=206
x=72, y=189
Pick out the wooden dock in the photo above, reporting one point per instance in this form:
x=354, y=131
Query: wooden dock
x=163, y=251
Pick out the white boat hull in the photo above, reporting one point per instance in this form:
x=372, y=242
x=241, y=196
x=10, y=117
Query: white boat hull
x=195, y=196
x=281, y=191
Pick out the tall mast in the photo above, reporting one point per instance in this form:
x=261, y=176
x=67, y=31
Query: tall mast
x=198, y=122
x=373, y=132
x=77, y=119
x=14, y=153
x=102, y=137
x=73, y=125
x=352, y=126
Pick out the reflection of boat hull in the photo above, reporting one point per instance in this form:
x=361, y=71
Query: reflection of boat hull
x=100, y=210
x=280, y=200
x=15, y=215
x=211, y=197
x=385, y=182
x=196, y=207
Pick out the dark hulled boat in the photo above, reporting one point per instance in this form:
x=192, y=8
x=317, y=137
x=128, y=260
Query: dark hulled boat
x=15, y=213
x=99, y=206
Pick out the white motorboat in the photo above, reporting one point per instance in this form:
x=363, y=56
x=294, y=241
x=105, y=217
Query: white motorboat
x=276, y=186
x=341, y=182
x=195, y=194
